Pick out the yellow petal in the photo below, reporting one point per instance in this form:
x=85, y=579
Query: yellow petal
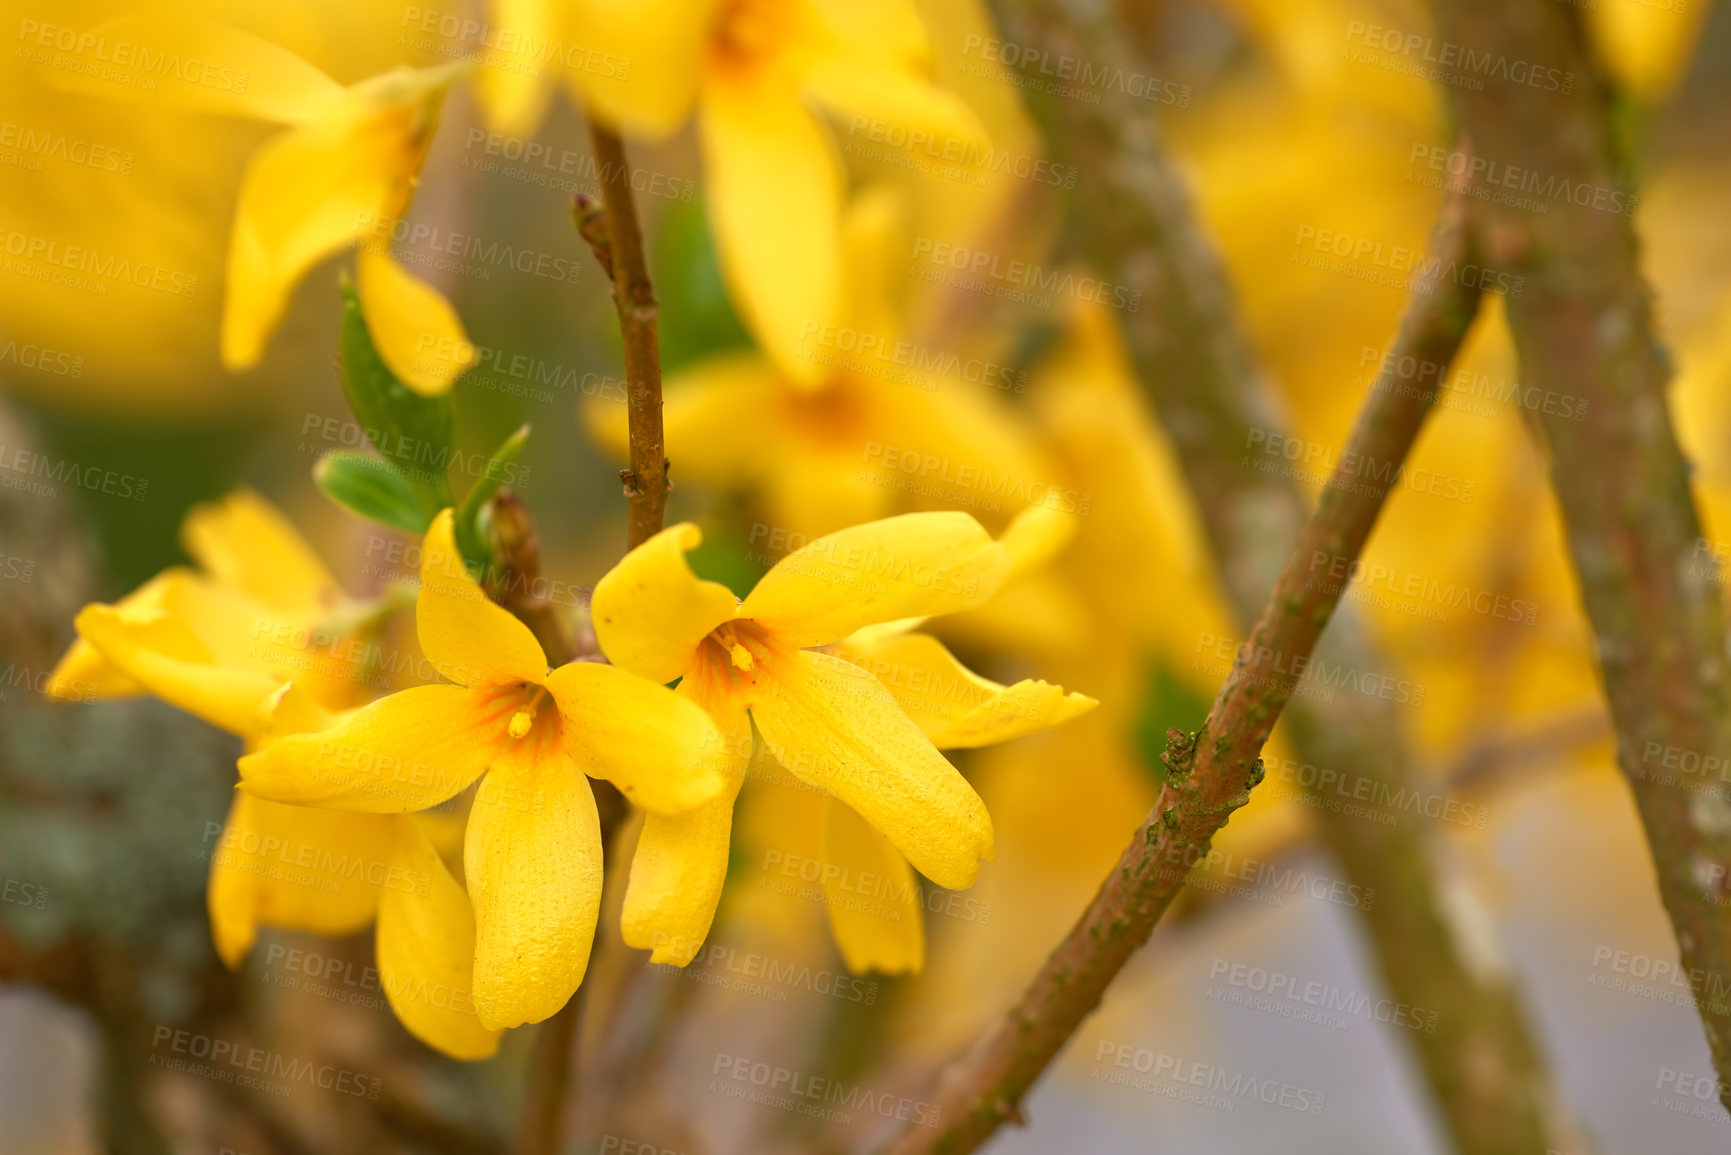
x=315, y=190
x=225, y=70
x=244, y=541
x=306, y=195
x=952, y=705
x=426, y=950
x=468, y=638
x=775, y=202
x=1036, y=535
x=872, y=897
x=84, y=675
x=653, y=60
x=295, y=868
x=881, y=91
x=886, y=30
x=680, y=863
x=718, y=415
x=162, y=654
x=650, y=611
x=409, y=751
x=831, y=724
x=915, y=565
x=533, y=861
x=656, y=746
x=405, y=317
x=511, y=84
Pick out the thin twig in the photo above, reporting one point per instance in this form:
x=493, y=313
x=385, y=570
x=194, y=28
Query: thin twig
x=613, y=235
x=1582, y=323
x=1131, y=219
x=1208, y=775
x=634, y=297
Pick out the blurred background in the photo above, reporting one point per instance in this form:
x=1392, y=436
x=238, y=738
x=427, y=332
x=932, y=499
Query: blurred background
x=1285, y=131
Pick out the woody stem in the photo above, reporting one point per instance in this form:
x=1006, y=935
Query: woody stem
x=614, y=235
x=1209, y=775
x=620, y=248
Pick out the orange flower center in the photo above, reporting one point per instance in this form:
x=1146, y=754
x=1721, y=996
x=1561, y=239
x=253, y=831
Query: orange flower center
x=749, y=30
x=518, y=706
x=731, y=657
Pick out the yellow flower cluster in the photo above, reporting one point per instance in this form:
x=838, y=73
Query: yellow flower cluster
x=348, y=796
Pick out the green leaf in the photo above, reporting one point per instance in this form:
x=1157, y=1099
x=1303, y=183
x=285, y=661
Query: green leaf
x=1168, y=702
x=471, y=539
x=412, y=431
x=697, y=319
x=373, y=488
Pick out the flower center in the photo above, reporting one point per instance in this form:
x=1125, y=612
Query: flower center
x=524, y=720
x=749, y=30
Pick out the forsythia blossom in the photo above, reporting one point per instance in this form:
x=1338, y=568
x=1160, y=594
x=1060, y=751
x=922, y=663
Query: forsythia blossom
x=828, y=721
x=532, y=851
x=220, y=644
x=344, y=172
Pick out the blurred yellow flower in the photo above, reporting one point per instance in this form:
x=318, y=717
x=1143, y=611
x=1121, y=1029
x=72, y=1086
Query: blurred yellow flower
x=532, y=852
x=846, y=439
x=343, y=175
x=828, y=722
x=221, y=645
x=756, y=71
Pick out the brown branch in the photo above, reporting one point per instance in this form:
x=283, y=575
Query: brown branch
x=1208, y=775
x=620, y=249
x=1582, y=324
x=613, y=235
x=1131, y=218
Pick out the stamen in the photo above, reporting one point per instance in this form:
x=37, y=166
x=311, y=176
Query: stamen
x=523, y=719
x=741, y=656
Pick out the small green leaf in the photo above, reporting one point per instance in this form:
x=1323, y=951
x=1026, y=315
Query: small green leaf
x=410, y=430
x=471, y=539
x=373, y=488
x=697, y=317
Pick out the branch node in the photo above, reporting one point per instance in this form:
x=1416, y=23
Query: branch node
x=590, y=218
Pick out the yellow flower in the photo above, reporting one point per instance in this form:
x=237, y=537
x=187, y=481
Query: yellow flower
x=222, y=645
x=956, y=709
x=532, y=851
x=849, y=441
x=344, y=174
x=828, y=722
x=754, y=69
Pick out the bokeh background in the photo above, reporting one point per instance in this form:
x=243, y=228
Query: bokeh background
x=1281, y=134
